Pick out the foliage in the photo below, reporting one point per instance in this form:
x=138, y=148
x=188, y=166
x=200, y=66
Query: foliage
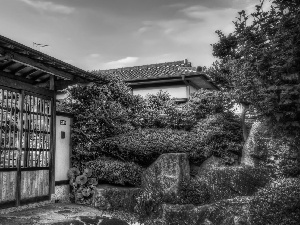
x=278, y=203
x=99, y=111
x=208, y=102
x=113, y=171
x=221, y=134
x=144, y=146
x=83, y=186
x=194, y=192
x=260, y=62
x=229, y=182
x=160, y=111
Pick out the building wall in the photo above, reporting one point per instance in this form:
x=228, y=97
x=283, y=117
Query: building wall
x=63, y=148
x=178, y=91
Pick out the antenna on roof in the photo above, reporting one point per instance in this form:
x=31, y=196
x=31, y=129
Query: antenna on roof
x=38, y=46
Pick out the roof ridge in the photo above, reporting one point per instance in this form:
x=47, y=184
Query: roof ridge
x=146, y=66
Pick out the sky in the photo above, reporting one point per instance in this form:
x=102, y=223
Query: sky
x=108, y=34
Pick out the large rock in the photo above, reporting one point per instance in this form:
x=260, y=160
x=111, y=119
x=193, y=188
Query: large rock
x=211, y=163
x=281, y=153
x=229, y=182
x=279, y=202
x=108, y=197
x=227, y=212
x=167, y=174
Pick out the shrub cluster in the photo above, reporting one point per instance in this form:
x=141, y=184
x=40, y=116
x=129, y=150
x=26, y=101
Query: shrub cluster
x=194, y=192
x=160, y=111
x=221, y=133
x=279, y=203
x=144, y=146
x=113, y=171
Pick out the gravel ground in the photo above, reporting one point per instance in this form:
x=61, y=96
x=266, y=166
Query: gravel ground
x=64, y=214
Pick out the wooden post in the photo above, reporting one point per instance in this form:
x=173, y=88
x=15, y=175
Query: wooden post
x=53, y=139
x=19, y=156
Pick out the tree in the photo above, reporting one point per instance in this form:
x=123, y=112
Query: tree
x=259, y=63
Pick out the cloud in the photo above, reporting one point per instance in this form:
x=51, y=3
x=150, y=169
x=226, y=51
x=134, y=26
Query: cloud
x=125, y=62
x=48, y=6
x=94, y=55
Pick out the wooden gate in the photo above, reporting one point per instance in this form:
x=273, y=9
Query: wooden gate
x=25, y=146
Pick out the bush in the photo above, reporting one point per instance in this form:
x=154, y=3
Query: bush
x=221, y=133
x=146, y=145
x=160, y=111
x=114, y=171
x=194, y=192
x=229, y=182
x=208, y=102
x=279, y=203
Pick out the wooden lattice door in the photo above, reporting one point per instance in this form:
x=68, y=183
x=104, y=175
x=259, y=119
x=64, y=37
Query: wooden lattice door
x=25, y=146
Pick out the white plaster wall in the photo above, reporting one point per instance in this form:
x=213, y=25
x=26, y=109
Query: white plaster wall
x=62, y=154
x=178, y=91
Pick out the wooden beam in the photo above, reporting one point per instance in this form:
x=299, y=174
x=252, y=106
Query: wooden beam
x=3, y=67
x=18, y=69
x=40, y=75
x=43, y=85
x=17, y=84
x=37, y=65
x=15, y=77
x=52, y=82
x=28, y=73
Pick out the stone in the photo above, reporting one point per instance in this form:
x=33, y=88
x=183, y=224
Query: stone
x=210, y=163
x=166, y=174
x=109, y=197
x=227, y=212
x=280, y=152
x=229, y=182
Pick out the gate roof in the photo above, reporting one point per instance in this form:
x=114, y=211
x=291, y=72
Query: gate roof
x=28, y=65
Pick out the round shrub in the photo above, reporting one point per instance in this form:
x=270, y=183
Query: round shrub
x=221, y=133
x=146, y=145
x=113, y=171
x=279, y=203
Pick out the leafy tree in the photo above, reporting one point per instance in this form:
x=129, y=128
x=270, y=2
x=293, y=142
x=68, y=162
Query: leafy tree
x=259, y=63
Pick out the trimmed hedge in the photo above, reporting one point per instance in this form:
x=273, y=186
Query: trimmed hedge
x=146, y=145
x=279, y=203
x=113, y=171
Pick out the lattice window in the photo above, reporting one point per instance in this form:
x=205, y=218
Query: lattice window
x=35, y=132
x=9, y=132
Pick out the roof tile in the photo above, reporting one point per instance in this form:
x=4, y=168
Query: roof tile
x=166, y=69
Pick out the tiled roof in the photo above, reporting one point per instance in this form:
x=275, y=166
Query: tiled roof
x=168, y=69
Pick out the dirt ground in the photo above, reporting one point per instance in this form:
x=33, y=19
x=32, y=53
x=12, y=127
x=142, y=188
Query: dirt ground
x=64, y=214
